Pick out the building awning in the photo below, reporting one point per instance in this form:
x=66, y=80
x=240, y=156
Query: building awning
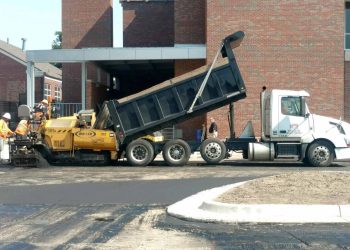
x=117, y=54
x=119, y=60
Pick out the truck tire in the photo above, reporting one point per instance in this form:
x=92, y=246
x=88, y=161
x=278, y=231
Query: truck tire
x=213, y=150
x=320, y=154
x=176, y=152
x=139, y=152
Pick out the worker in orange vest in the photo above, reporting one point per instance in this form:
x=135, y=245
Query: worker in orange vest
x=5, y=132
x=23, y=128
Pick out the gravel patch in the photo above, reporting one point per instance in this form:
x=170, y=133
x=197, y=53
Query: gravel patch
x=313, y=187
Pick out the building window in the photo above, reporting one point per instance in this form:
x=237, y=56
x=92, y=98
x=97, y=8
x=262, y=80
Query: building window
x=347, y=25
x=58, y=94
x=47, y=91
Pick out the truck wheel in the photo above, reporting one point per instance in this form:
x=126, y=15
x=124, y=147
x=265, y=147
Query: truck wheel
x=320, y=154
x=139, y=152
x=213, y=150
x=176, y=152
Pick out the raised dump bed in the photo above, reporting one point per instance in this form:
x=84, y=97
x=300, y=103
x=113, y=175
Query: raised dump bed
x=170, y=102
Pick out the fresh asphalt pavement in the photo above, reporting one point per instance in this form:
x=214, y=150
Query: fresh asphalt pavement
x=109, y=208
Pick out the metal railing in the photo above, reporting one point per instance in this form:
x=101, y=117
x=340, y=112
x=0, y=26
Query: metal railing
x=64, y=109
x=58, y=110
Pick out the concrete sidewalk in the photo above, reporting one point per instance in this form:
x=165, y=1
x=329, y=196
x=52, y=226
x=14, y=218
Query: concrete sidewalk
x=202, y=207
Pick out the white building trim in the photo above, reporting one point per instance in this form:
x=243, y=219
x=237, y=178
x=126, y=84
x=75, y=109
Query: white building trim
x=347, y=55
x=116, y=54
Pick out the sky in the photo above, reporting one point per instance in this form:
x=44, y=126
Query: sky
x=38, y=20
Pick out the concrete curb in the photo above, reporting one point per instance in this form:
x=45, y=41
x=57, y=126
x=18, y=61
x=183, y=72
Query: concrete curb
x=202, y=207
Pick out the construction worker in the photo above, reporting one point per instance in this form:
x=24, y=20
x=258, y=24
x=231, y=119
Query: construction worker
x=22, y=128
x=213, y=129
x=5, y=132
x=41, y=109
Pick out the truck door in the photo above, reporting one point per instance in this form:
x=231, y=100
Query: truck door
x=292, y=123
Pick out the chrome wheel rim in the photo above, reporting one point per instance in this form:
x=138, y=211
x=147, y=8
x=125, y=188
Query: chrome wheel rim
x=139, y=153
x=176, y=152
x=320, y=154
x=213, y=150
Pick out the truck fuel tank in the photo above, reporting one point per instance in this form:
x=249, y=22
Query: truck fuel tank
x=260, y=151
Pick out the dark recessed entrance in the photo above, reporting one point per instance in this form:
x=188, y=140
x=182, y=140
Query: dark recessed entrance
x=130, y=77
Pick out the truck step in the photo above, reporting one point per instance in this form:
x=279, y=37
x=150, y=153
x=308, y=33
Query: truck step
x=294, y=157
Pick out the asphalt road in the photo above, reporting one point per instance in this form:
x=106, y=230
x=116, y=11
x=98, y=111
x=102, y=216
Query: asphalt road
x=124, y=192
x=124, y=208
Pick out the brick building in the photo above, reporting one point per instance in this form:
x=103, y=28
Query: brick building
x=86, y=23
x=13, y=77
x=288, y=45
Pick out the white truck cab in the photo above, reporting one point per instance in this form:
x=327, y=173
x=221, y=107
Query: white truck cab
x=289, y=130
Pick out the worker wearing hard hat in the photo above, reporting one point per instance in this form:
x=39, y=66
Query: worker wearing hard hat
x=45, y=102
x=5, y=132
x=41, y=109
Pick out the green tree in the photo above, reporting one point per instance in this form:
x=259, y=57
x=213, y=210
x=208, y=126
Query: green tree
x=57, y=44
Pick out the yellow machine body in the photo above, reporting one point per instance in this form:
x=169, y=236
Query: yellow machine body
x=65, y=134
x=94, y=139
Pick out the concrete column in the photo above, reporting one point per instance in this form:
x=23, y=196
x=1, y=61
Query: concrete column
x=83, y=85
x=30, y=84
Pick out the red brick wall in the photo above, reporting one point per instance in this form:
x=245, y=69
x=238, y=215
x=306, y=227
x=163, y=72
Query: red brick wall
x=85, y=23
x=12, y=79
x=289, y=44
x=39, y=89
x=189, y=22
x=95, y=94
x=71, y=80
x=148, y=24
x=189, y=127
x=347, y=92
